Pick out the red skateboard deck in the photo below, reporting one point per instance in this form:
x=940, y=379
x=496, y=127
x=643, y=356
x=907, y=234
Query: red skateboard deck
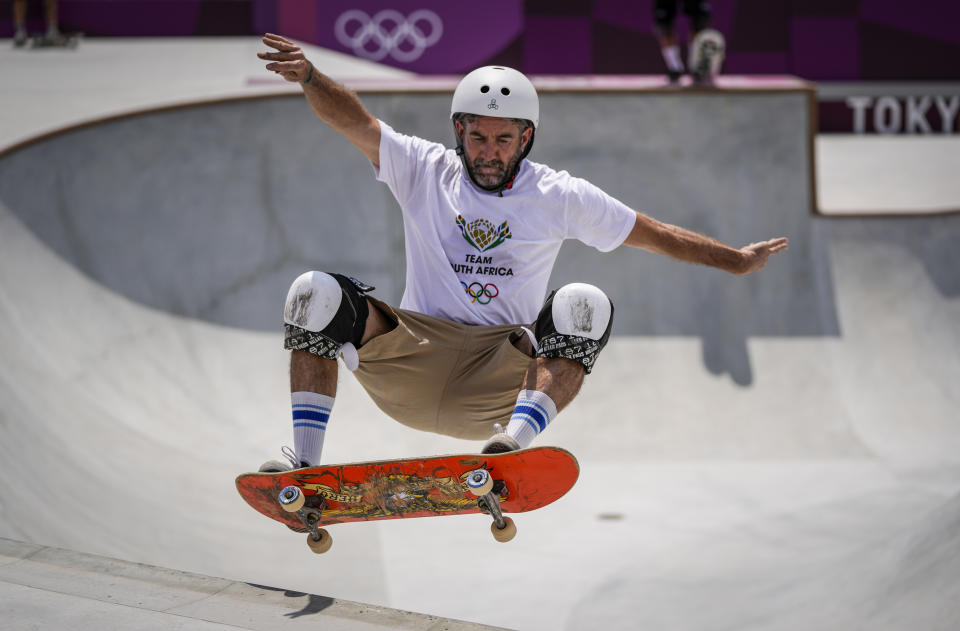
x=414, y=487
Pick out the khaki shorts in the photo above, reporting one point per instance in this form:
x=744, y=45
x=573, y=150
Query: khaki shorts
x=440, y=376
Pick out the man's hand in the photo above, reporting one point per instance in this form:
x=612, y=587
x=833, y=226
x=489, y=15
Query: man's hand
x=756, y=254
x=289, y=61
x=332, y=102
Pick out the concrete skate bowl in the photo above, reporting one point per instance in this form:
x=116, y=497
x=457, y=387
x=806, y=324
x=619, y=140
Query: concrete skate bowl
x=209, y=211
x=145, y=260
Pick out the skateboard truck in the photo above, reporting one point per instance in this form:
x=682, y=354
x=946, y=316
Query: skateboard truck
x=482, y=484
x=293, y=500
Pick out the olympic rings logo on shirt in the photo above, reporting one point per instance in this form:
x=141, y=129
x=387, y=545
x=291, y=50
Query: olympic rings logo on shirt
x=387, y=30
x=478, y=292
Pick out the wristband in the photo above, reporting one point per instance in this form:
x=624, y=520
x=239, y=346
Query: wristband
x=309, y=76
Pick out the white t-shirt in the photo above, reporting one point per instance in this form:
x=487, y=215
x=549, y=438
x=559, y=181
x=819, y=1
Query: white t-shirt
x=475, y=257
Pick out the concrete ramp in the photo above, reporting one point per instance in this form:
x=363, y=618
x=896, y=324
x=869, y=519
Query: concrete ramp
x=46, y=588
x=770, y=452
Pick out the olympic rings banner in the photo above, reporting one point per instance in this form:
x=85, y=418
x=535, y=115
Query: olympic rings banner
x=405, y=38
x=838, y=40
x=424, y=36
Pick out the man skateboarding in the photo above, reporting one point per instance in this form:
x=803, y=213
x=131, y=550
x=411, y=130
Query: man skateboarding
x=471, y=346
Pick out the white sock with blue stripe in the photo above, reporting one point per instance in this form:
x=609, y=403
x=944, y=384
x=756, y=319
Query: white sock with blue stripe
x=531, y=415
x=311, y=411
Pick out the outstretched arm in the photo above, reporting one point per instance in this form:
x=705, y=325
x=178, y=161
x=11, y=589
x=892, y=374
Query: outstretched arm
x=686, y=245
x=331, y=102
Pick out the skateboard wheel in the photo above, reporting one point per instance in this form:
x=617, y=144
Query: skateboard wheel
x=321, y=545
x=479, y=482
x=505, y=534
x=291, y=499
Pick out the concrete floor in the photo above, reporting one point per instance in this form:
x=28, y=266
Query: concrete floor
x=820, y=488
x=46, y=588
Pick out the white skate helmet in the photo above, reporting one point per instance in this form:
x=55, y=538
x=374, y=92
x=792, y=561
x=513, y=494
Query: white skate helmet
x=497, y=91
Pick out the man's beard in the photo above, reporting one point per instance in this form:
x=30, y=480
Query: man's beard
x=491, y=176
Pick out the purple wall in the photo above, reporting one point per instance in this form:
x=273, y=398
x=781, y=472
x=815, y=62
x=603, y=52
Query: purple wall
x=814, y=39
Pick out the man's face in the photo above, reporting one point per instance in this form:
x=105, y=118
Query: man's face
x=492, y=147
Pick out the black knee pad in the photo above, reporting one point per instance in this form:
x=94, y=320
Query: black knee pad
x=575, y=324
x=323, y=312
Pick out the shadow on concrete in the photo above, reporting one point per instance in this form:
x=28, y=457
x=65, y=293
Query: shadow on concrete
x=315, y=604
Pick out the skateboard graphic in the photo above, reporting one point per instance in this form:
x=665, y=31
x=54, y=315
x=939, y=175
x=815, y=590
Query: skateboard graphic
x=513, y=482
x=706, y=56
